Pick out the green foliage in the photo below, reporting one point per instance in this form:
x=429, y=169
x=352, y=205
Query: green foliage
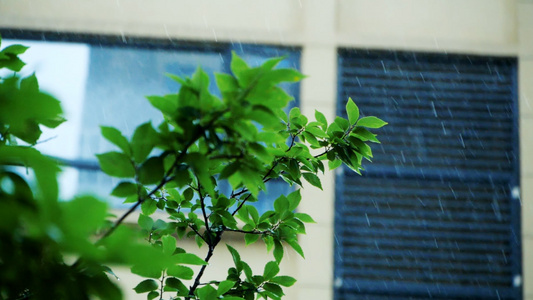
x=176, y=168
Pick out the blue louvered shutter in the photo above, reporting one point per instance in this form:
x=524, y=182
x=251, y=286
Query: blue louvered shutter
x=436, y=215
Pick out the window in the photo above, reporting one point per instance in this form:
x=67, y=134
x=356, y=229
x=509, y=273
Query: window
x=436, y=215
x=114, y=74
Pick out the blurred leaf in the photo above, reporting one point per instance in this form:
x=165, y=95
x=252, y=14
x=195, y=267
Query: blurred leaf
x=169, y=244
x=238, y=65
x=15, y=49
x=152, y=295
x=145, y=222
x=167, y=104
x=124, y=189
x=116, y=164
x=226, y=83
x=149, y=206
x=143, y=141
x=115, y=136
x=200, y=166
x=146, y=286
x=151, y=171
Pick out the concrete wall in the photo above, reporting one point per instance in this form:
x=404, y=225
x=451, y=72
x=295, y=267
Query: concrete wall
x=490, y=27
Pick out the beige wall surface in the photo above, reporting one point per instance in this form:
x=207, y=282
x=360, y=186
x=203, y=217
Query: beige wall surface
x=490, y=27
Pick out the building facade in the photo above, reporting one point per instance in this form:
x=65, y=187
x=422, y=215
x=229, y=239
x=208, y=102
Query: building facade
x=453, y=78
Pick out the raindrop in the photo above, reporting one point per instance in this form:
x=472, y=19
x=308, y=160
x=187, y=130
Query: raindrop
x=422, y=75
x=496, y=208
x=457, y=70
x=359, y=82
x=443, y=128
x=488, y=66
x=215, y=34
x=166, y=32
x=367, y=220
x=384, y=69
x=123, y=36
x=462, y=141
x=434, y=109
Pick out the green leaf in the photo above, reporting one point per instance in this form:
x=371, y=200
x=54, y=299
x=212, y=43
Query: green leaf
x=283, y=280
x=167, y=105
x=271, y=270
x=353, y=111
x=365, y=135
x=175, y=283
x=189, y=259
x=321, y=119
x=371, y=122
x=283, y=75
x=247, y=271
x=15, y=49
x=207, y=293
x=333, y=164
x=115, y=136
x=274, y=289
x=169, y=244
x=152, y=295
x=342, y=123
x=151, y=171
x=312, y=179
x=304, y=217
x=146, y=286
x=147, y=270
x=87, y=213
x=224, y=287
x=294, y=244
x=149, y=206
x=116, y=164
x=226, y=83
x=145, y=222
x=124, y=189
x=238, y=65
x=281, y=204
x=30, y=83
x=182, y=272
x=278, y=251
x=200, y=166
x=235, y=255
x=294, y=199
x=250, y=238
x=143, y=141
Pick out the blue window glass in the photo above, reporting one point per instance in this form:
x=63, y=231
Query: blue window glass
x=120, y=72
